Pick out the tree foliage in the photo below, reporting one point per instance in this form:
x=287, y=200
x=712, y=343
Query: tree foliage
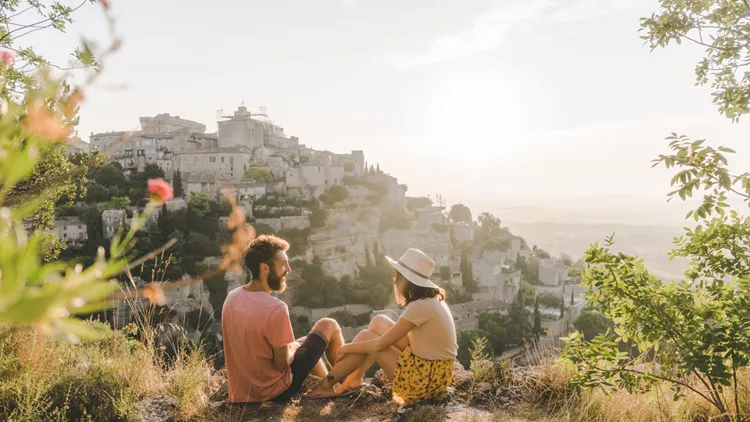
x=695, y=327
x=414, y=203
x=467, y=274
x=592, y=324
x=723, y=29
x=460, y=213
x=259, y=174
x=177, y=184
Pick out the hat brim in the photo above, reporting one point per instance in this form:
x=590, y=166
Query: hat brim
x=409, y=275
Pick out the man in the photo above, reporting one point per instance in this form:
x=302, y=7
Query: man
x=263, y=360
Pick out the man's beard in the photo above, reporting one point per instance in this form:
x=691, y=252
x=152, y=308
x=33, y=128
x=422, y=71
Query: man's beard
x=276, y=283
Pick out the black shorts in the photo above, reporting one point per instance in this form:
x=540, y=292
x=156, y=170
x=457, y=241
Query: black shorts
x=305, y=359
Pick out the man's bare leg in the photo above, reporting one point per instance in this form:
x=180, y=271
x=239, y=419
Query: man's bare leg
x=331, y=329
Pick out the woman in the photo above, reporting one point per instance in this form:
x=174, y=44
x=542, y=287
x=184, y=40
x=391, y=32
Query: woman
x=417, y=352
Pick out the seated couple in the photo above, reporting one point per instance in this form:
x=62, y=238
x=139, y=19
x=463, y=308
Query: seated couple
x=265, y=362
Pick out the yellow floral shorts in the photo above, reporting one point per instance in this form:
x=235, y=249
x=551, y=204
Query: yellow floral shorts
x=416, y=379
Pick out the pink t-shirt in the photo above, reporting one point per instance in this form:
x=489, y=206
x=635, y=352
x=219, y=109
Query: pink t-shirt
x=253, y=324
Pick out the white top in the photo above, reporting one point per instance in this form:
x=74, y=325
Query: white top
x=434, y=337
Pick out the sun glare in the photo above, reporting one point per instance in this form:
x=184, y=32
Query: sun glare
x=476, y=111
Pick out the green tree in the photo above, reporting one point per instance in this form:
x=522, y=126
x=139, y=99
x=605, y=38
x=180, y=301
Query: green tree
x=150, y=171
x=110, y=175
x=541, y=253
x=200, y=246
x=519, y=325
x=415, y=203
x=395, y=217
x=217, y=292
x=118, y=203
x=562, y=307
x=177, y=184
x=97, y=193
x=298, y=240
x=719, y=26
x=445, y=273
x=259, y=174
x=489, y=223
x=318, y=217
x=334, y=195
x=591, y=324
x=467, y=276
x=199, y=204
x=54, y=180
x=695, y=326
x=537, y=330
x=566, y=260
x=460, y=213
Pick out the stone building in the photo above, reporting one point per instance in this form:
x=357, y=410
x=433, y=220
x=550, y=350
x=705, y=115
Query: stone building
x=224, y=162
x=71, y=229
x=112, y=220
x=242, y=129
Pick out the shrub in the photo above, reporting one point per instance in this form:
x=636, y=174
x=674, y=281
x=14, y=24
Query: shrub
x=550, y=300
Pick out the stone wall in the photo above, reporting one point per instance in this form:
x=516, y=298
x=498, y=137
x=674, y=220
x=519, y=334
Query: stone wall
x=295, y=222
x=436, y=245
x=470, y=310
x=315, y=314
x=274, y=223
x=341, y=245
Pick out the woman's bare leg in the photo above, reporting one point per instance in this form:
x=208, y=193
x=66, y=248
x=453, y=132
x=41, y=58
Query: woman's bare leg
x=379, y=326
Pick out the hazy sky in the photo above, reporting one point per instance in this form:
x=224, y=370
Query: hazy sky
x=491, y=103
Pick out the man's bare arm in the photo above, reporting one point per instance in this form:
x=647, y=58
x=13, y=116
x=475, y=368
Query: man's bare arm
x=284, y=355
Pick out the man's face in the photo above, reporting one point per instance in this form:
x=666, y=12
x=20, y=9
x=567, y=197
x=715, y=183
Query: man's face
x=279, y=269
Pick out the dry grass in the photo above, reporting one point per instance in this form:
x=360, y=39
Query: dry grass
x=307, y=410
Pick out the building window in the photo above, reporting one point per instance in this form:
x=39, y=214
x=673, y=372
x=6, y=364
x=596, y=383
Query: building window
x=212, y=159
x=222, y=159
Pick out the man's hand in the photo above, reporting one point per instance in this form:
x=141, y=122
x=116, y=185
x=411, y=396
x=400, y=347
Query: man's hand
x=284, y=355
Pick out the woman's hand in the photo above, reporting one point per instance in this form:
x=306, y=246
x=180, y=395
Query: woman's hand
x=343, y=351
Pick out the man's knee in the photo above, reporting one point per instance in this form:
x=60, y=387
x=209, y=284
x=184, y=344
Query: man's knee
x=329, y=326
x=380, y=324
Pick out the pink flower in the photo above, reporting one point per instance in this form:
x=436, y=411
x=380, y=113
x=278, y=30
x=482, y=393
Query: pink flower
x=104, y=3
x=7, y=57
x=42, y=123
x=160, y=190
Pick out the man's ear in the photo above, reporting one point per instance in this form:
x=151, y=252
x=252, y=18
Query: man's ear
x=264, y=268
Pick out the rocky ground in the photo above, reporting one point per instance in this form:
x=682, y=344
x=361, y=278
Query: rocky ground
x=489, y=392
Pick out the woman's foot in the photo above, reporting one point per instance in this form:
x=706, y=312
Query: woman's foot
x=322, y=390
x=350, y=385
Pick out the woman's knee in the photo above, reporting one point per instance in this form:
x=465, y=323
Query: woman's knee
x=365, y=335
x=380, y=324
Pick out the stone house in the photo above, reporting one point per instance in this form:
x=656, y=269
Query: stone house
x=112, y=220
x=71, y=229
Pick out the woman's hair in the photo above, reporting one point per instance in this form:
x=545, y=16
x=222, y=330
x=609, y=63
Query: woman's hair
x=409, y=292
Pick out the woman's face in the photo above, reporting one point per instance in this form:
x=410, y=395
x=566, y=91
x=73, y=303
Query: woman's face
x=398, y=286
